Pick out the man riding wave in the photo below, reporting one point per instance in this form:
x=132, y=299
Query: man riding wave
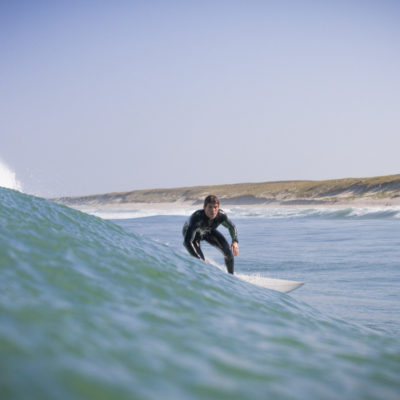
x=203, y=224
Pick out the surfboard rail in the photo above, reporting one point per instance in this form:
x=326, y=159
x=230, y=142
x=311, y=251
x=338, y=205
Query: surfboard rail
x=279, y=285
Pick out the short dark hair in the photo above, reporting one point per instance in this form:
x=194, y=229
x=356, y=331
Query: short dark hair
x=211, y=199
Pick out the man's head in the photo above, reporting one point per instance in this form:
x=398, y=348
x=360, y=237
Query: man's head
x=211, y=206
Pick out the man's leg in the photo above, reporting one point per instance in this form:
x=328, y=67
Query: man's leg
x=196, y=245
x=196, y=242
x=218, y=240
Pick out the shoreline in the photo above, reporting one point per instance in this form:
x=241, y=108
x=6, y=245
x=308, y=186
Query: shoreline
x=287, y=204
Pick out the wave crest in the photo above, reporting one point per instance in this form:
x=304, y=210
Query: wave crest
x=8, y=178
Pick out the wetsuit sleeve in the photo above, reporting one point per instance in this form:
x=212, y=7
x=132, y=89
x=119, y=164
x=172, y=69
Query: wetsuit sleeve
x=227, y=223
x=189, y=236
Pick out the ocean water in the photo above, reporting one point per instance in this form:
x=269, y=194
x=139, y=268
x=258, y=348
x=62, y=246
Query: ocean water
x=95, y=308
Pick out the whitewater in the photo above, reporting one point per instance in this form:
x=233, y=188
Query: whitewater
x=97, y=308
x=8, y=178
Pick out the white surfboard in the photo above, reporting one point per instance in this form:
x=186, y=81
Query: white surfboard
x=280, y=285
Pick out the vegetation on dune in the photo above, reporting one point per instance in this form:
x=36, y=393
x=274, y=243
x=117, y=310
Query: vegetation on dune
x=328, y=191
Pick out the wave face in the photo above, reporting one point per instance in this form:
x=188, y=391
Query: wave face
x=92, y=311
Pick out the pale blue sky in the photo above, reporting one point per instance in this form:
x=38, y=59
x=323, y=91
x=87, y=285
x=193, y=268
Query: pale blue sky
x=102, y=96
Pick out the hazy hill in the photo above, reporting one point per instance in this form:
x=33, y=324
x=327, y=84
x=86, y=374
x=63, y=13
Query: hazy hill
x=377, y=189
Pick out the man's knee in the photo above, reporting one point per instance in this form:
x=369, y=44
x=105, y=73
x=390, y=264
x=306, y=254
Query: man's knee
x=228, y=255
x=227, y=252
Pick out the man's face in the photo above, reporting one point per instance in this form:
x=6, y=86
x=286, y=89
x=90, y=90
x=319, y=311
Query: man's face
x=211, y=210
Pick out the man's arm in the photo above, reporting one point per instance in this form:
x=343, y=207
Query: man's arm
x=227, y=223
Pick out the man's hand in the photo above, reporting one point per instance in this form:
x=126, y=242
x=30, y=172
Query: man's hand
x=235, y=248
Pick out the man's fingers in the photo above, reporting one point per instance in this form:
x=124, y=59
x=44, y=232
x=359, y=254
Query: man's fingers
x=235, y=249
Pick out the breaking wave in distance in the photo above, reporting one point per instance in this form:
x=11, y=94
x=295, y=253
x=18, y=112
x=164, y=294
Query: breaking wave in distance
x=8, y=178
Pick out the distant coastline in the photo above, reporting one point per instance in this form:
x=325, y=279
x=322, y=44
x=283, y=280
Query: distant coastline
x=348, y=192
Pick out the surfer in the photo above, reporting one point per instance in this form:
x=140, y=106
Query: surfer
x=203, y=224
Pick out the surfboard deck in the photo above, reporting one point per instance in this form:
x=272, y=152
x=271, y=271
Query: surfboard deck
x=279, y=285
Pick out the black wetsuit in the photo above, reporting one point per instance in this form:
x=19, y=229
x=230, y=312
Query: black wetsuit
x=200, y=227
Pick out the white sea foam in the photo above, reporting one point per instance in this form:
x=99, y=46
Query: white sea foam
x=320, y=212
x=243, y=212
x=8, y=178
x=107, y=213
